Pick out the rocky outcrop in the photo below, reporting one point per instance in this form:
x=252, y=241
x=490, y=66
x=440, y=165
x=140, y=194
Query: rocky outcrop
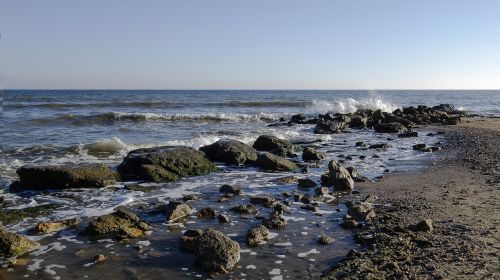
x=275, y=145
x=230, y=152
x=164, y=164
x=48, y=227
x=13, y=245
x=339, y=177
x=256, y=235
x=122, y=224
x=215, y=252
x=63, y=177
x=271, y=162
x=311, y=154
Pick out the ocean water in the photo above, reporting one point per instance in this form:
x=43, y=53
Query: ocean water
x=70, y=126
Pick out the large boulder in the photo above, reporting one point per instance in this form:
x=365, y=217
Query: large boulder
x=63, y=177
x=121, y=224
x=311, y=154
x=275, y=145
x=12, y=245
x=339, y=177
x=329, y=126
x=271, y=162
x=215, y=252
x=230, y=152
x=394, y=127
x=164, y=164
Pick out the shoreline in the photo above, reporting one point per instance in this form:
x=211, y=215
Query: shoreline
x=459, y=192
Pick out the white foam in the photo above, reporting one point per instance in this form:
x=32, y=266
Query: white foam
x=305, y=254
x=49, y=268
x=350, y=105
x=283, y=244
x=35, y=265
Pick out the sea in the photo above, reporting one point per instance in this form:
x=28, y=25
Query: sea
x=102, y=126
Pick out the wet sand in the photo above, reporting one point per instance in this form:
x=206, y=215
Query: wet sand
x=459, y=192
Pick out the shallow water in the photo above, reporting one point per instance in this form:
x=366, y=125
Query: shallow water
x=56, y=127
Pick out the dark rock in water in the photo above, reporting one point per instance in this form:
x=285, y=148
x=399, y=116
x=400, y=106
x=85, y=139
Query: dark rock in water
x=137, y=187
x=230, y=152
x=362, y=210
x=306, y=183
x=349, y=223
x=164, y=164
x=257, y=235
x=310, y=207
x=223, y=218
x=275, y=221
x=13, y=245
x=206, y=213
x=230, y=189
x=325, y=239
x=245, y=209
x=63, y=177
x=353, y=171
x=267, y=201
x=121, y=224
x=339, y=177
x=281, y=208
x=298, y=118
x=177, y=210
x=215, y=252
x=188, y=240
x=304, y=170
x=329, y=127
x=378, y=115
x=311, y=154
x=189, y=197
x=452, y=121
x=390, y=128
x=98, y=259
x=48, y=227
x=379, y=146
x=423, y=225
x=358, y=121
x=419, y=147
x=284, y=180
x=271, y=162
x=447, y=108
x=408, y=134
x=321, y=191
x=8, y=216
x=360, y=144
x=275, y=145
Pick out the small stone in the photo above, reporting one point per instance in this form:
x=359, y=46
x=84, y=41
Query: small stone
x=206, y=213
x=306, y=183
x=245, y=209
x=99, y=259
x=257, y=235
x=325, y=239
x=223, y=218
x=424, y=225
x=321, y=191
x=230, y=189
x=267, y=201
x=275, y=221
x=190, y=197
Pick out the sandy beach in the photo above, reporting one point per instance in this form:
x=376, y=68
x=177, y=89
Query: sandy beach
x=459, y=192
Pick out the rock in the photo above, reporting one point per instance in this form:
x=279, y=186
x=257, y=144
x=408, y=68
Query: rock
x=284, y=180
x=358, y=121
x=339, y=177
x=298, y=118
x=206, y=213
x=13, y=245
x=188, y=240
x=99, y=259
x=379, y=146
x=275, y=145
x=310, y=207
x=360, y=144
x=349, y=222
x=390, y=128
x=164, y=164
x=353, y=171
x=138, y=187
x=189, y=197
x=378, y=115
x=281, y=209
x=230, y=152
x=452, y=121
x=310, y=154
x=408, y=134
x=63, y=177
x=321, y=191
x=419, y=147
x=306, y=183
x=325, y=239
x=363, y=210
x=8, y=216
x=267, y=201
x=423, y=225
x=121, y=224
x=447, y=108
x=271, y=162
x=177, y=210
x=275, y=221
x=215, y=252
x=329, y=127
x=223, y=218
x=256, y=235
x=230, y=189
x=48, y=227
x=245, y=209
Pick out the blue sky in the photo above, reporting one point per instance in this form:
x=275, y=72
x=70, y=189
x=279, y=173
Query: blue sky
x=236, y=44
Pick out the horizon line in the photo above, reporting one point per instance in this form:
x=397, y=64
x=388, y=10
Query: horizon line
x=256, y=89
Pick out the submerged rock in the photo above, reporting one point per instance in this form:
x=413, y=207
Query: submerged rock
x=230, y=152
x=275, y=145
x=48, y=227
x=63, y=177
x=311, y=154
x=12, y=245
x=164, y=164
x=271, y=162
x=177, y=210
x=256, y=235
x=122, y=224
x=339, y=177
x=215, y=252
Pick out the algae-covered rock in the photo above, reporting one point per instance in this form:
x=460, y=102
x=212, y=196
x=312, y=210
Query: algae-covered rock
x=12, y=245
x=63, y=177
x=122, y=224
x=215, y=252
x=177, y=210
x=257, y=235
x=271, y=162
x=164, y=164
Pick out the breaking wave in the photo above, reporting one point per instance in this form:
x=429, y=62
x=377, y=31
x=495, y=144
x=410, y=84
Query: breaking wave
x=350, y=105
